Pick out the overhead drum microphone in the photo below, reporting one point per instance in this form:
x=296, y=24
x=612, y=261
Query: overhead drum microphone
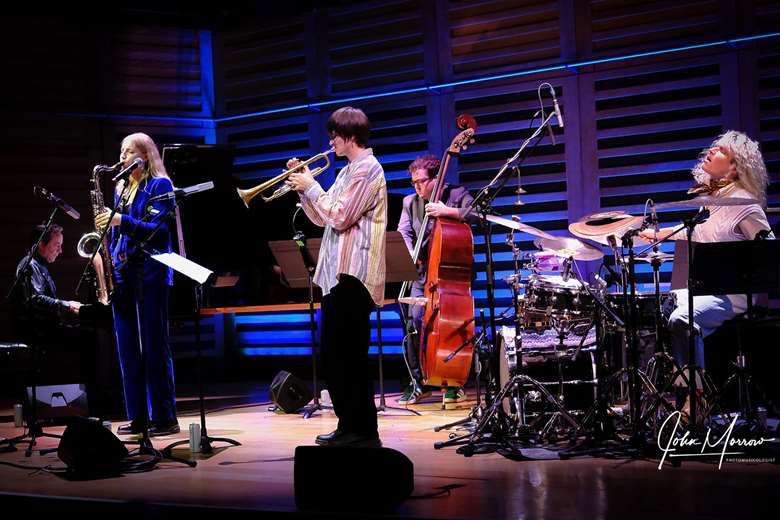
x=558, y=115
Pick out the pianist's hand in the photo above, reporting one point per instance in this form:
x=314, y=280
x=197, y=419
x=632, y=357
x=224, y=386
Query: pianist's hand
x=73, y=307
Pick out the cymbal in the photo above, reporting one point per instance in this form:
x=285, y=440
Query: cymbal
x=652, y=255
x=707, y=201
x=566, y=247
x=519, y=226
x=599, y=226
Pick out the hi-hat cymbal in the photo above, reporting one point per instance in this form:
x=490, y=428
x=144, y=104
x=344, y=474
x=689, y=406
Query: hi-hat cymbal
x=599, y=226
x=652, y=255
x=519, y=226
x=707, y=201
x=569, y=247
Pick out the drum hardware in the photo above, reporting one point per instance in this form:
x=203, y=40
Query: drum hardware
x=494, y=426
x=471, y=421
x=601, y=425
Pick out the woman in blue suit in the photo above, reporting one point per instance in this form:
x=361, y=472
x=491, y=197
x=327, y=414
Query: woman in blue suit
x=138, y=277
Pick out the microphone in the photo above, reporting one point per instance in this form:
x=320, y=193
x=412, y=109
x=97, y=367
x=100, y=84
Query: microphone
x=64, y=206
x=602, y=283
x=137, y=162
x=566, y=274
x=180, y=193
x=557, y=108
x=654, y=216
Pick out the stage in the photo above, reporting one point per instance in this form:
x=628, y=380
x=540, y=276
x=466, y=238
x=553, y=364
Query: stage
x=258, y=475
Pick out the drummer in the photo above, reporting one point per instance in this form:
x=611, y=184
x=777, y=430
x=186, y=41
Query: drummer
x=456, y=205
x=731, y=167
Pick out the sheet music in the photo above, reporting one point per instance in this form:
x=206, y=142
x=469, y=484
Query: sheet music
x=186, y=267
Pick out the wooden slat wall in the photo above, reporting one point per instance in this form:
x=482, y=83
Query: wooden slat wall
x=375, y=44
x=156, y=69
x=766, y=85
x=493, y=36
x=264, y=65
x=628, y=27
x=633, y=127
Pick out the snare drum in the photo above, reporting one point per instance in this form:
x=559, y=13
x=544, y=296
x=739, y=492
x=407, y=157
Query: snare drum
x=551, y=302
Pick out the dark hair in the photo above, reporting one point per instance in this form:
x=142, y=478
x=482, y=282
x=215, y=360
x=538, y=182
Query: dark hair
x=428, y=162
x=37, y=230
x=348, y=122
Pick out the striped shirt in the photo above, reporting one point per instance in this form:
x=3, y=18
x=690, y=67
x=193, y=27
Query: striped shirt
x=354, y=214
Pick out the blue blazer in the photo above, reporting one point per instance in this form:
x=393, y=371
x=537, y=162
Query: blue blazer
x=138, y=222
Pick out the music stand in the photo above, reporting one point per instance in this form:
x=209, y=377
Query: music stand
x=753, y=267
x=199, y=275
x=298, y=261
x=398, y=268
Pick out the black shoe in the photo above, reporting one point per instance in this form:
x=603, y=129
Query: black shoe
x=352, y=440
x=134, y=428
x=164, y=428
x=324, y=438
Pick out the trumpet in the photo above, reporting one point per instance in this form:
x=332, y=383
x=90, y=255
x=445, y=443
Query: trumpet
x=248, y=194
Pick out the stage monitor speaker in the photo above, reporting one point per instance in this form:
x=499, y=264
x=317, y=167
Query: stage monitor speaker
x=351, y=479
x=289, y=392
x=59, y=401
x=89, y=449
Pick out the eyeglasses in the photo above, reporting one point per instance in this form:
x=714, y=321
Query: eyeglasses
x=419, y=181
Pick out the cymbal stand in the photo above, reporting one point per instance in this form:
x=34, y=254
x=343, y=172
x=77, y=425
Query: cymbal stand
x=481, y=204
x=694, y=372
x=662, y=365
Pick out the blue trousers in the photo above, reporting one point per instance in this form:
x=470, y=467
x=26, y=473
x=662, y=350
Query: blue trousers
x=160, y=390
x=709, y=313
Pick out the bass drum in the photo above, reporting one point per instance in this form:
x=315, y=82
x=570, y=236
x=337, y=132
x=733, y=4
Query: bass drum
x=540, y=356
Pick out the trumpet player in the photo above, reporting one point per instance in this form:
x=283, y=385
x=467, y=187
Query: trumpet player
x=137, y=276
x=350, y=271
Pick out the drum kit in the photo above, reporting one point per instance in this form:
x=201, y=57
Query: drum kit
x=569, y=333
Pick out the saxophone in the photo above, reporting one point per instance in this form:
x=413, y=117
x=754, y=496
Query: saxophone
x=90, y=242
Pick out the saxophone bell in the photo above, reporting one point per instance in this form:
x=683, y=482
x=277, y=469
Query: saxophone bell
x=88, y=244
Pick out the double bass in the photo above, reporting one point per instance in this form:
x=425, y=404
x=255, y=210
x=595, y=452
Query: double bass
x=445, y=348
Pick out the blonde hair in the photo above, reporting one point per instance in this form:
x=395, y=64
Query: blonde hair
x=748, y=162
x=154, y=166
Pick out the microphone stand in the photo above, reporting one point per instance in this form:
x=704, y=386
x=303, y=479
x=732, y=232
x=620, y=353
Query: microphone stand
x=34, y=429
x=311, y=266
x=494, y=414
x=481, y=204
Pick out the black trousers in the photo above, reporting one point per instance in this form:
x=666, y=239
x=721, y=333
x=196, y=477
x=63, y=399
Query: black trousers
x=345, y=335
